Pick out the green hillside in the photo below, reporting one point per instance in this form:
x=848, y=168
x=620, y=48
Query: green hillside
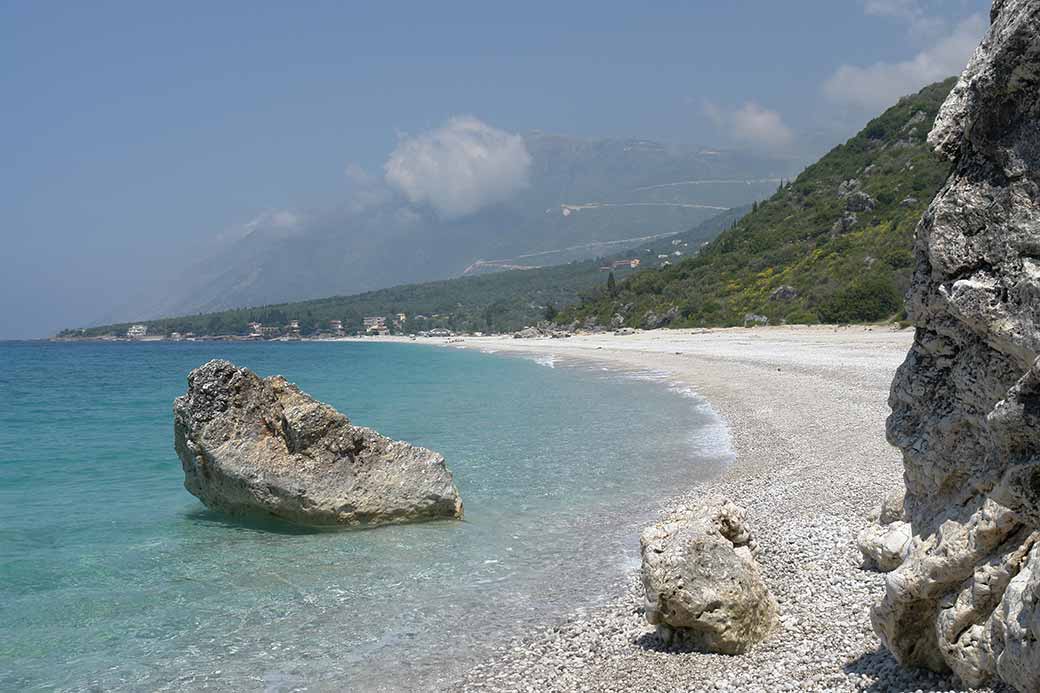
x=490, y=302
x=497, y=302
x=832, y=246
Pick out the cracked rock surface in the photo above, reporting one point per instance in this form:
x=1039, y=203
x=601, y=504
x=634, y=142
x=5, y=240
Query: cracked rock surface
x=261, y=446
x=966, y=401
x=702, y=582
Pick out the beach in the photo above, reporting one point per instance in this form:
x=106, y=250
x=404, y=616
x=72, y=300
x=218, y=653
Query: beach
x=806, y=410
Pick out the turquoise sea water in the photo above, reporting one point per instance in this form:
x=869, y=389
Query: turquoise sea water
x=113, y=577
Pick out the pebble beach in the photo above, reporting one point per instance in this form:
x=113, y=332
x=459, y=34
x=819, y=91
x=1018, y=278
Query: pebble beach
x=806, y=409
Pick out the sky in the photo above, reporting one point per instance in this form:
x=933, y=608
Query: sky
x=135, y=134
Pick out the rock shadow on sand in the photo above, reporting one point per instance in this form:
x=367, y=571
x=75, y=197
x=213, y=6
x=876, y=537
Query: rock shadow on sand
x=890, y=677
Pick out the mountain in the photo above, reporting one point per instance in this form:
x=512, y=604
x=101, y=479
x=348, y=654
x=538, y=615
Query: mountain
x=832, y=246
x=585, y=198
x=497, y=302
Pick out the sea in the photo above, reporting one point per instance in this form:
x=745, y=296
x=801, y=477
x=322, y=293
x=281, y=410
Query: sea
x=114, y=578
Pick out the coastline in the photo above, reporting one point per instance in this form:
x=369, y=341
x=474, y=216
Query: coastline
x=805, y=407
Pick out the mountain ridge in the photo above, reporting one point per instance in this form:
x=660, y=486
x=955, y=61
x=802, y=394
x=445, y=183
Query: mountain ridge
x=581, y=190
x=834, y=245
x=499, y=301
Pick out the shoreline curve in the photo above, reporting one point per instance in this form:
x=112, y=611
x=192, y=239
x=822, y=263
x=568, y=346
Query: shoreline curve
x=805, y=408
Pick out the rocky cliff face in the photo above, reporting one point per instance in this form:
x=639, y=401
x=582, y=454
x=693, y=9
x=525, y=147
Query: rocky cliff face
x=252, y=445
x=966, y=402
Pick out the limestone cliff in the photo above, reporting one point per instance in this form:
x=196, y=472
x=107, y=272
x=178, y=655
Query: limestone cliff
x=966, y=402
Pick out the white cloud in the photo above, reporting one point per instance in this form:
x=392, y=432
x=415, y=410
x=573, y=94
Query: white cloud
x=365, y=191
x=276, y=222
x=281, y=219
x=753, y=124
x=921, y=24
x=459, y=168
x=880, y=85
x=892, y=8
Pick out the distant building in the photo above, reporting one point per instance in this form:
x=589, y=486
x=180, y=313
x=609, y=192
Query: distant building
x=176, y=336
x=662, y=256
x=375, y=324
x=337, y=327
x=137, y=331
x=677, y=253
x=401, y=317
x=256, y=329
x=270, y=331
x=293, y=328
x=622, y=264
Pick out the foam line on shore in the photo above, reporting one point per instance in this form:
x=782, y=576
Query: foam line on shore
x=805, y=408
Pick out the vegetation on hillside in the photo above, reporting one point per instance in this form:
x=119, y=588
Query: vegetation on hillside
x=491, y=302
x=834, y=245
x=499, y=302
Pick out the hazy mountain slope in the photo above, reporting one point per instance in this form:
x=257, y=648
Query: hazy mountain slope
x=581, y=192
x=834, y=246
x=493, y=302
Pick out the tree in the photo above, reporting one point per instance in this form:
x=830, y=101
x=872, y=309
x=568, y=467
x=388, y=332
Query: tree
x=551, y=312
x=612, y=285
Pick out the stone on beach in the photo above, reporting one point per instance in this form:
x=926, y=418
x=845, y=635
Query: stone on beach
x=966, y=402
x=252, y=445
x=885, y=543
x=884, y=546
x=702, y=583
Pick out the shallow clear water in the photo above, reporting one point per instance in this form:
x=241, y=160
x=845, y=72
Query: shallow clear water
x=113, y=577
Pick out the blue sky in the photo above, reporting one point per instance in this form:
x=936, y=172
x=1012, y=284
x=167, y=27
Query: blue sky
x=135, y=133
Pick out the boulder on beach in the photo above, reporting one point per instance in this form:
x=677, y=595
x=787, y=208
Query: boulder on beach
x=652, y=320
x=966, y=401
x=528, y=333
x=252, y=445
x=885, y=542
x=702, y=582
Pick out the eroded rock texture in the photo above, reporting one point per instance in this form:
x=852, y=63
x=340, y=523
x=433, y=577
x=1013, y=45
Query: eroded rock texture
x=702, y=583
x=966, y=402
x=252, y=445
x=886, y=542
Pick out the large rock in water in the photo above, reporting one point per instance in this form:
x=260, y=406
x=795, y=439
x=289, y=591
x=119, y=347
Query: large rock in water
x=702, y=583
x=966, y=402
x=253, y=445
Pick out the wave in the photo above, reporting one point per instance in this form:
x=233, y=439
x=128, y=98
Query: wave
x=713, y=435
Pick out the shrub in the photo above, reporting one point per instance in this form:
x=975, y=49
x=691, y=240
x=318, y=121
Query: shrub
x=867, y=299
